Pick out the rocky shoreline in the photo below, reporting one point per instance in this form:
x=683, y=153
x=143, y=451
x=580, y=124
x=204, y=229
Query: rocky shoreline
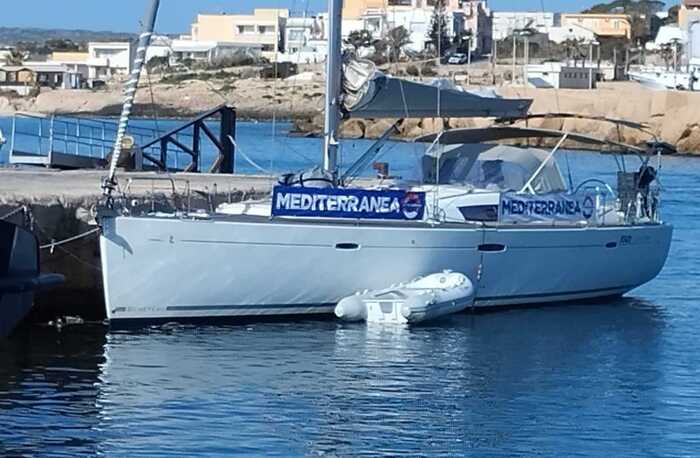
x=671, y=116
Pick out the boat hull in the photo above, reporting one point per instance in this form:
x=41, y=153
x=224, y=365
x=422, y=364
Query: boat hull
x=174, y=269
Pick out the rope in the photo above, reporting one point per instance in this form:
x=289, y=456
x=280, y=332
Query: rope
x=55, y=244
x=248, y=159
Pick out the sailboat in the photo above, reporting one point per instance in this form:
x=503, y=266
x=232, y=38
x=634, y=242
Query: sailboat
x=502, y=215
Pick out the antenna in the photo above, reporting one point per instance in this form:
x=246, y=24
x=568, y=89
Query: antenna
x=130, y=94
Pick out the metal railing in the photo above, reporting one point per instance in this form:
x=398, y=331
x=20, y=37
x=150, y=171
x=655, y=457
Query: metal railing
x=38, y=135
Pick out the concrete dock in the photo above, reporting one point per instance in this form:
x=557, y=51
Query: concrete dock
x=61, y=204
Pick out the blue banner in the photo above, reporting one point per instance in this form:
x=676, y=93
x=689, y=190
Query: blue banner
x=348, y=203
x=524, y=208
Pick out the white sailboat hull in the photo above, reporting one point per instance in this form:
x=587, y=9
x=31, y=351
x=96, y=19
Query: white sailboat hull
x=174, y=269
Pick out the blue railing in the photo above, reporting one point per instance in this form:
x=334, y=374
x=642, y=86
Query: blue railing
x=42, y=136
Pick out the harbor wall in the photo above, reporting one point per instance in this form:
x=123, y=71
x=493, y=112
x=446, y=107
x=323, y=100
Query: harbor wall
x=61, y=205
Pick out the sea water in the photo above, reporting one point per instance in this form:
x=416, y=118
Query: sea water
x=617, y=378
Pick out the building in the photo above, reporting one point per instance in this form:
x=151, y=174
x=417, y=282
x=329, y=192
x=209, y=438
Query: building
x=505, y=22
x=667, y=35
x=160, y=47
x=264, y=28
x=559, y=76
x=22, y=79
x=603, y=25
x=109, y=59
x=210, y=52
x=688, y=13
x=571, y=32
x=76, y=62
x=464, y=18
x=305, y=40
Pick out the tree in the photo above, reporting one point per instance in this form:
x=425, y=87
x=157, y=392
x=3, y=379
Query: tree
x=359, y=39
x=437, y=34
x=397, y=39
x=15, y=58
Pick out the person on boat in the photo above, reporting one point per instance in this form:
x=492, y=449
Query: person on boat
x=492, y=172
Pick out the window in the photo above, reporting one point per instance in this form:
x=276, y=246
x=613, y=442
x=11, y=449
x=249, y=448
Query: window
x=406, y=2
x=246, y=29
x=296, y=35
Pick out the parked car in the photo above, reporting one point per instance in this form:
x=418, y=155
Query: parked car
x=457, y=59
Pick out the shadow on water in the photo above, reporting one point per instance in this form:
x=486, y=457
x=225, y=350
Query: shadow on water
x=48, y=386
x=489, y=381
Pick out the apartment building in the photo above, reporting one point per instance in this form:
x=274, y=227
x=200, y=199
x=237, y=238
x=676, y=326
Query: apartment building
x=109, y=59
x=505, y=22
x=264, y=29
x=603, y=25
x=380, y=16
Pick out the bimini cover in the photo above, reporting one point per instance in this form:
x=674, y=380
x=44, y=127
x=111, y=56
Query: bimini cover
x=493, y=167
x=369, y=93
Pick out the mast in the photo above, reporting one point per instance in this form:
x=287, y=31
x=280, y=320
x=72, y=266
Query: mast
x=333, y=87
x=130, y=92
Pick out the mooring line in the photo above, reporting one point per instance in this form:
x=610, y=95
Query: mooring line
x=54, y=244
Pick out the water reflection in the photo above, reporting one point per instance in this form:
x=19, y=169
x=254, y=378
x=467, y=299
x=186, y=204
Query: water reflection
x=544, y=380
x=47, y=392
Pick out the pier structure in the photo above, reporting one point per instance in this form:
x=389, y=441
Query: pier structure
x=71, y=142
x=60, y=204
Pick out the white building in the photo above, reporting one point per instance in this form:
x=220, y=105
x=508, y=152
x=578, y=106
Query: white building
x=108, y=59
x=560, y=34
x=210, y=52
x=505, y=22
x=305, y=40
x=416, y=16
x=161, y=46
x=560, y=76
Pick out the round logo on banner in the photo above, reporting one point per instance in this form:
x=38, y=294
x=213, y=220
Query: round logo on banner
x=412, y=205
x=588, y=207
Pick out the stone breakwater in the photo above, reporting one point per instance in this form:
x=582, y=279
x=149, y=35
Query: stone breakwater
x=672, y=116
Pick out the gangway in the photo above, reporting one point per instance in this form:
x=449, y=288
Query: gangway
x=65, y=142
x=70, y=142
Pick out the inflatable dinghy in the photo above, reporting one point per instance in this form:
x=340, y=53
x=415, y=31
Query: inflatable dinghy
x=420, y=300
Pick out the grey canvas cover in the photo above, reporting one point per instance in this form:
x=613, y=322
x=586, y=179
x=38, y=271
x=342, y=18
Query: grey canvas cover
x=369, y=93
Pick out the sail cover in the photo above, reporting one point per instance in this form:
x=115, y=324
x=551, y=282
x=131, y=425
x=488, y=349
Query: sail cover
x=369, y=93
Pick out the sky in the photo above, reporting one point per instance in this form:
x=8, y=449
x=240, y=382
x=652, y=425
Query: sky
x=176, y=15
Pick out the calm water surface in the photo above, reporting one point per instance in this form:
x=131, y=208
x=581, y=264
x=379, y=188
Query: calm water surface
x=617, y=379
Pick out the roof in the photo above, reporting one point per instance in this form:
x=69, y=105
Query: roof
x=204, y=46
x=479, y=135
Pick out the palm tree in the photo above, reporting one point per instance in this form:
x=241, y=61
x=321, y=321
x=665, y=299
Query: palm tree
x=397, y=39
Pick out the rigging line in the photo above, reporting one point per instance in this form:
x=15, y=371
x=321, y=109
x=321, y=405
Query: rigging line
x=249, y=159
x=13, y=213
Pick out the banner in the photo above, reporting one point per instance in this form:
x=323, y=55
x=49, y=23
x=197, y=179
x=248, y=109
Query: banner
x=347, y=203
x=524, y=208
